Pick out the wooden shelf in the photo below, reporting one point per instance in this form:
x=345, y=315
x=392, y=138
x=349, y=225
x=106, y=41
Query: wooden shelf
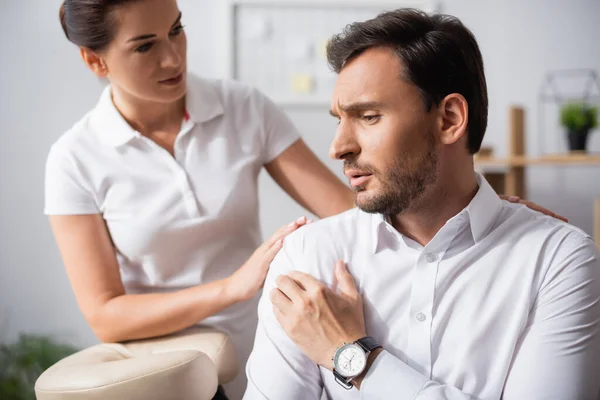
x=551, y=159
x=507, y=175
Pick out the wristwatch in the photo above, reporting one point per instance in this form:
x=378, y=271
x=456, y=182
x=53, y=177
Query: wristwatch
x=350, y=360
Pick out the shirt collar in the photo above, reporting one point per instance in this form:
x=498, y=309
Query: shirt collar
x=111, y=127
x=481, y=214
x=379, y=222
x=203, y=103
x=483, y=210
x=202, y=99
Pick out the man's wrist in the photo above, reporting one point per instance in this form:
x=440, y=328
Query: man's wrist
x=370, y=360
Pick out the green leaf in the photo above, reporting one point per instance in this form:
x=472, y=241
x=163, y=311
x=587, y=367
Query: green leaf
x=579, y=117
x=22, y=362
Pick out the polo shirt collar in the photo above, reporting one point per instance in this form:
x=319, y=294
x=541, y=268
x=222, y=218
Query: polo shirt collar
x=203, y=103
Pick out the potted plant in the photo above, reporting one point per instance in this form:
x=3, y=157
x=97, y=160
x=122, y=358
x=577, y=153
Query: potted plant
x=22, y=362
x=579, y=119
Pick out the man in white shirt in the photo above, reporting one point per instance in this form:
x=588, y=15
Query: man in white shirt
x=462, y=295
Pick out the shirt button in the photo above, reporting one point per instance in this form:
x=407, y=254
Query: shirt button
x=429, y=257
x=421, y=317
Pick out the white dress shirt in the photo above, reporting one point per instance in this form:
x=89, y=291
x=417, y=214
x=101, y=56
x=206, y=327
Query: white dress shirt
x=176, y=221
x=503, y=302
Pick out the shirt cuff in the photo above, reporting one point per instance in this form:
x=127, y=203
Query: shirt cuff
x=388, y=373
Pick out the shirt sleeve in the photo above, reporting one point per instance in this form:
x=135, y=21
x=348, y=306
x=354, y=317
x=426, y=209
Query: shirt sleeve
x=278, y=131
x=277, y=369
x=390, y=377
x=557, y=356
x=66, y=190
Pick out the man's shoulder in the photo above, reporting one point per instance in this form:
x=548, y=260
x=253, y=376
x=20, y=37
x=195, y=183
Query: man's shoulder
x=536, y=224
x=316, y=247
x=555, y=239
x=339, y=229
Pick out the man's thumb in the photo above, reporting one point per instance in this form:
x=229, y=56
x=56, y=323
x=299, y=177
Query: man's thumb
x=345, y=281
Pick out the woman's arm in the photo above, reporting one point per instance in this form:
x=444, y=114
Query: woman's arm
x=309, y=182
x=115, y=316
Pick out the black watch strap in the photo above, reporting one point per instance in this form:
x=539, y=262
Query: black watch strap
x=368, y=344
x=346, y=383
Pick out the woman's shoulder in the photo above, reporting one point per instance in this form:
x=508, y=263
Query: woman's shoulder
x=83, y=136
x=77, y=138
x=231, y=93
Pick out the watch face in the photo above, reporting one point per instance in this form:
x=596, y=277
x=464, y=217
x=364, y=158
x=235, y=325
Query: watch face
x=350, y=360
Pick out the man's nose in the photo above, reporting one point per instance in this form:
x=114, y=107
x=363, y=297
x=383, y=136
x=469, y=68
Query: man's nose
x=344, y=144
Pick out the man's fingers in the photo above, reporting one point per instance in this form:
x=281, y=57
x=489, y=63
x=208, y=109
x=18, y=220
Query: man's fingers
x=280, y=300
x=305, y=281
x=345, y=280
x=279, y=316
x=289, y=288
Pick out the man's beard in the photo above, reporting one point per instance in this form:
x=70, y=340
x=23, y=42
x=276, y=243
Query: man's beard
x=407, y=179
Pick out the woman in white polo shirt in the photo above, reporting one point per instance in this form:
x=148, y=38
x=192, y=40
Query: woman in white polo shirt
x=152, y=195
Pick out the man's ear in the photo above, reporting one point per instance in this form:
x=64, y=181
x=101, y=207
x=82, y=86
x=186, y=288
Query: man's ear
x=454, y=117
x=94, y=62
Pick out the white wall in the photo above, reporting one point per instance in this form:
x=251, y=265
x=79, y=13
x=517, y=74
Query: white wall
x=44, y=88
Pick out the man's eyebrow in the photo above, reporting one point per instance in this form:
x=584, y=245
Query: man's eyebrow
x=151, y=35
x=357, y=107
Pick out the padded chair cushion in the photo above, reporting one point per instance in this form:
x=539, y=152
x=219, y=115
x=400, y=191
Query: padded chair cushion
x=188, y=365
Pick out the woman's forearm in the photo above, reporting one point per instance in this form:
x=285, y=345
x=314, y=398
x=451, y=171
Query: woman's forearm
x=139, y=316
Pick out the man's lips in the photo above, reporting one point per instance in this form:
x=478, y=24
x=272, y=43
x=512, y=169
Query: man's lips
x=357, y=178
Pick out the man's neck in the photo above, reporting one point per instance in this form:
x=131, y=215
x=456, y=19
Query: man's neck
x=148, y=116
x=451, y=194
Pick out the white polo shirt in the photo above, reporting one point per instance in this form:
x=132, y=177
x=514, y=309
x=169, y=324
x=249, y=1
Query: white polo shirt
x=176, y=221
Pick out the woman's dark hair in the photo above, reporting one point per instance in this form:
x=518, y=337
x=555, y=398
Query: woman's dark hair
x=89, y=23
x=440, y=56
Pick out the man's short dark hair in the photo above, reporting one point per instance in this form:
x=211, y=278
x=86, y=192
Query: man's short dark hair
x=440, y=56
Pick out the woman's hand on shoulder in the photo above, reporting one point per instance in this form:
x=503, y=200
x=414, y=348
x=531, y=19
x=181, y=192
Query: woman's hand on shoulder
x=250, y=278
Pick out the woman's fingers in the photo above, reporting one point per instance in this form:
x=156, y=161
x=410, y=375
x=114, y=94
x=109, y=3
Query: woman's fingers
x=285, y=230
x=273, y=250
x=533, y=206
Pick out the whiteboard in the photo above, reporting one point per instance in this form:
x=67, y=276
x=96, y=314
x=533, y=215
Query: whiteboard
x=279, y=46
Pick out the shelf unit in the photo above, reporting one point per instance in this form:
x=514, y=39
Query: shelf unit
x=507, y=175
